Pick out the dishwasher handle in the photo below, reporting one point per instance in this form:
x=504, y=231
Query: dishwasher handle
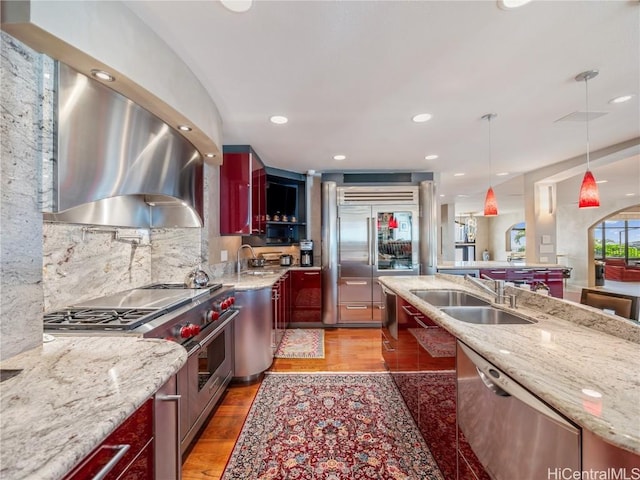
x=490, y=385
x=510, y=386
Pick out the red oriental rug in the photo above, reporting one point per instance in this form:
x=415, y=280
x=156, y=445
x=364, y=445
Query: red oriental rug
x=301, y=343
x=331, y=427
x=435, y=340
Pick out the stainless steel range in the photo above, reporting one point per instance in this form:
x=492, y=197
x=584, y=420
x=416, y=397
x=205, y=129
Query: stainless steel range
x=200, y=319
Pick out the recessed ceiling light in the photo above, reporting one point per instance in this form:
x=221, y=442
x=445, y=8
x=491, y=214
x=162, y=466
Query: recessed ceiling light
x=462, y=195
x=510, y=4
x=184, y=128
x=460, y=174
x=210, y=155
x=442, y=194
x=278, y=119
x=629, y=194
x=431, y=157
x=602, y=181
x=237, y=6
x=621, y=99
x=421, y=117
x=102, y=75
x=502, y=174
x=339, y=157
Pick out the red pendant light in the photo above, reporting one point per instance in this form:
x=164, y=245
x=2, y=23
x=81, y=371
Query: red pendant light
x=589, y=195
x=490, y=202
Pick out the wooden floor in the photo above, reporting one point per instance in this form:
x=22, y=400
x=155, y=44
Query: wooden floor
x=346, y=350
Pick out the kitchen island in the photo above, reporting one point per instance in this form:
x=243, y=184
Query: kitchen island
x=71, y=393
x=570, y=350
x=517, y=272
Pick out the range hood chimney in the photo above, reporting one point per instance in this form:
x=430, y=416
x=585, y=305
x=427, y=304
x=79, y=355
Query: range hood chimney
x=119, y=165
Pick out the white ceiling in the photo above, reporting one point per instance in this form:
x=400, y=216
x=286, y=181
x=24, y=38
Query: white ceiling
x=350, y=75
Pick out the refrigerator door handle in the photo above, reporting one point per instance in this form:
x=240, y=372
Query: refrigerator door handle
x=369, y=241
x=372, y=242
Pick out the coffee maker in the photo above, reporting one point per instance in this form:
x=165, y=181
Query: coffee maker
x=306, y=253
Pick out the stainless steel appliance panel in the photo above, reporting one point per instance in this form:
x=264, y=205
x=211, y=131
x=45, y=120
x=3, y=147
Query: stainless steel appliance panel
x=329, y=253
x=355, y=289
x=253, y=334
x=512, y=432
x=209, y=369
x=356, y=312
x=166, y=430
x=355, y=242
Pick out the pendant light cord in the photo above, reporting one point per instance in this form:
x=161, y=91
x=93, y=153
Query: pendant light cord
x=490, y=150
x=586, y=89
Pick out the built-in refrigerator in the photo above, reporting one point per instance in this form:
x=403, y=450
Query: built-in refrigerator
x=368, y=232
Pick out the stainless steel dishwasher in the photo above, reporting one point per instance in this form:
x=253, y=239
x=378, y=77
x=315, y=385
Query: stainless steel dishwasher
x=512, y=432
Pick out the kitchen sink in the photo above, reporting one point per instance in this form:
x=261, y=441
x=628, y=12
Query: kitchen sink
x=259, y=272
x=446, y=298
x=485, y=316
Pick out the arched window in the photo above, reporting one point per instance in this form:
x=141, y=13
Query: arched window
x=618, y=237
x=516, y=240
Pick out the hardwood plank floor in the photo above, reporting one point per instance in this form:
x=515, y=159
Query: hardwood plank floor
x=346, y=350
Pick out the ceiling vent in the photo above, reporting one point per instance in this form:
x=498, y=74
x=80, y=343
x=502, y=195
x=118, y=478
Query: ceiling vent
x=580, y=117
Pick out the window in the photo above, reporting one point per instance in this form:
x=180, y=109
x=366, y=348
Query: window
x=516, y=238
x=617, y=239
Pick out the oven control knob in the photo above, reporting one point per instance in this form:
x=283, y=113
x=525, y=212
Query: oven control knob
x=225, y=304
x=212, y=316
x=195, y=329
x=232, y=300
x=188, y=330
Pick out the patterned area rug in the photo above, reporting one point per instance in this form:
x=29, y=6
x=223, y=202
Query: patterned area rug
x=302, y=343
x=435, y=340
x=331, y=427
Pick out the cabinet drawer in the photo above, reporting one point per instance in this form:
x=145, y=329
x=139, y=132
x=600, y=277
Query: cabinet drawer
x=136, y=432
x=356, y=312
x=354, y=289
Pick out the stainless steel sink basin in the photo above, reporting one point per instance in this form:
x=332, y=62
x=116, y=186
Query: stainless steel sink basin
x=259, y=272
x=446, y=298
x=485, y=316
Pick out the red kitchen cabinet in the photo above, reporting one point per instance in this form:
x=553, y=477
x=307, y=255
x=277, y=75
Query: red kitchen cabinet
x=130, y=447
x=242, y=192
x=306, y=296
x=494, y=273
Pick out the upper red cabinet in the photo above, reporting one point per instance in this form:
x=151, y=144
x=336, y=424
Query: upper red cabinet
x=242, y=192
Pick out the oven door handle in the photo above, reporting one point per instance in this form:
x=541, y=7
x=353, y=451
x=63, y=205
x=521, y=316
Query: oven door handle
x=203, y=343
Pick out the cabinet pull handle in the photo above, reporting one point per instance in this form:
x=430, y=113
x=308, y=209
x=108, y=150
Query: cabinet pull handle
x=356, y=307
x=353, y=282
x=409, y=312
x=385, y=343
x=121, y=452
x=312, y=273
x=176, y=399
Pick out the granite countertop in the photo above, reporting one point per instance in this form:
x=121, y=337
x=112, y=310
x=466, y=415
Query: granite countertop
x=497, y=264
x=72, y=393
x=571, y=349
x=257, y=278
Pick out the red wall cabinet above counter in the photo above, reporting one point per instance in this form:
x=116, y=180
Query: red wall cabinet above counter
x=242, y=192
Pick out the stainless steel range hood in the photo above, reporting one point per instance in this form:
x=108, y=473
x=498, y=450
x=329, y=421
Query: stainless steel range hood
x=119, y=165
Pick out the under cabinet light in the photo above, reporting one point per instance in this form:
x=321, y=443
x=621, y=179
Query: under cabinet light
x=102, y=75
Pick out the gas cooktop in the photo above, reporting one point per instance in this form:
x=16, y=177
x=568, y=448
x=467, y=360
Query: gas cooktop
x=99, y=319
x=126, y=310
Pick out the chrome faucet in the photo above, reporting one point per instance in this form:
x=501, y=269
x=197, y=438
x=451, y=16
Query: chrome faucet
x=498, y=289
x=244, y=245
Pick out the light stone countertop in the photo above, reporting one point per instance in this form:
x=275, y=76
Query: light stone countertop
x=571, y=347
x=72, y=393
x=257, y=278
x=449, y=265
